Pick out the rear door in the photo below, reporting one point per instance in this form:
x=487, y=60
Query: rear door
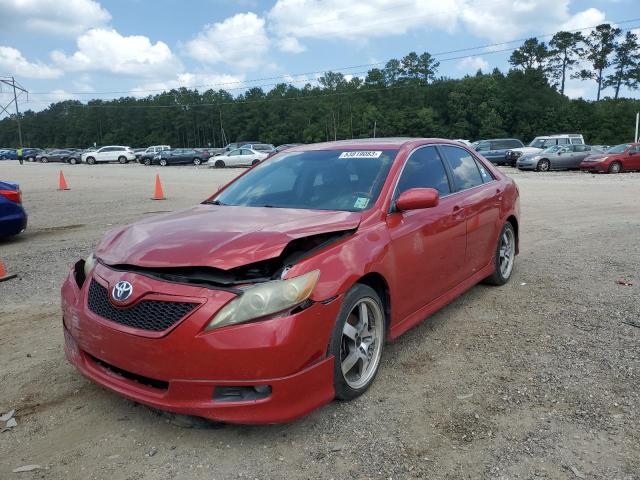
x=480, y=195
x=427, y=245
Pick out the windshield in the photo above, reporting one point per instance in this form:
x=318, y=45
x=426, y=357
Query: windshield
x=619, y=148
x=537, y=143
x=317, y=180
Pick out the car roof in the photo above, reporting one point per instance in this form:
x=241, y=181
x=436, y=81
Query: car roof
x=373, y=143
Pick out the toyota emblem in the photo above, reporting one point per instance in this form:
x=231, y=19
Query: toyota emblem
x=122, y=291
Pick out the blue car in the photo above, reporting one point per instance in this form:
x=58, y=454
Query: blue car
x=13, y=218
x=8, y=154
x=495, y=149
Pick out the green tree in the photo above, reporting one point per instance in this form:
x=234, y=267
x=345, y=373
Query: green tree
x=625, y=63
x=601, y=43
x=532, y=55
x=565, y=52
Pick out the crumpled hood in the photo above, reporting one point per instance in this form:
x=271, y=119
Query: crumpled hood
x=222, y=237
x=526, y=150
x=596, y=156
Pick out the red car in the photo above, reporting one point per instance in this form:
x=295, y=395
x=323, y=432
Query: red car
x=621, y=158
x=278, y=293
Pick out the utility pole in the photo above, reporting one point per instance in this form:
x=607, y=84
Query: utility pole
x=16, y=87
x=637, y=118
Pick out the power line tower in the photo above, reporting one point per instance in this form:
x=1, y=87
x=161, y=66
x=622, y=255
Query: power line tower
x=17, y=91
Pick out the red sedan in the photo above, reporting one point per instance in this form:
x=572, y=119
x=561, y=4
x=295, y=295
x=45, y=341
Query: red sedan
x=277, y=294
x=621, y=158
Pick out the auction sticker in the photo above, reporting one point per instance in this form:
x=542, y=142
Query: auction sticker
x=361, y=154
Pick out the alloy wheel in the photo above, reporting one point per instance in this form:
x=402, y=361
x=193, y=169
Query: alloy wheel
x=507, y=252
x=361, y=345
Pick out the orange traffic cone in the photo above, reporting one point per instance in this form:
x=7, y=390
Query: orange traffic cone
x=158, y=194
x=62, y=183
x=3, y=273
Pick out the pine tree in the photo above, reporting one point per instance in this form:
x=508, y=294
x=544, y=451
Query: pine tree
x=566, y=50
x=601, y=43
x=625, y=63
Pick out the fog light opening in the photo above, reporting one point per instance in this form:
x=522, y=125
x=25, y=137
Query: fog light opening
x=245, y=393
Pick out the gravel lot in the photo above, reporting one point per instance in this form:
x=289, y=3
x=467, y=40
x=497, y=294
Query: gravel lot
x=536, y=379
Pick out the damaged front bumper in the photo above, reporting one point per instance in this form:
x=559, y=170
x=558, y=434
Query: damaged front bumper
x=185, y=369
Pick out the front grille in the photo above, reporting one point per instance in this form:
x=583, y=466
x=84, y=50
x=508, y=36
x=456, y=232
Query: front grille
x=153, y=315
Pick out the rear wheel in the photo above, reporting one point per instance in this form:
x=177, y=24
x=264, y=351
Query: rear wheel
x=147, y=161
x=219, y=164
x=255, y=162
x=504, y=257
x=357, y=342
x=197, y=161
x=91, y=160
x=163, y=162
x=615, y=167
x=544, y=165
x=73, y=161
x=44, y=159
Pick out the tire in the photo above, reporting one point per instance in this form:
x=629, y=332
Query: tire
x=147, y=161
x=163, y=162
x=91, y=160
x=348, y=343
x=544, y=165
x=31, y=159
x=255, y=162
x=44, y=159
x=197, y=161
x=219, y=164
x=500, y=276
x=122, y=160
x=73, y=161
x=615, y=167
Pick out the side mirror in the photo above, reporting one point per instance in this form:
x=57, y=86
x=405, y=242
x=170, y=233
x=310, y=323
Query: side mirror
x=418, y=198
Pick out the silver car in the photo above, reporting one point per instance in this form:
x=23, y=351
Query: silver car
x=556, y=157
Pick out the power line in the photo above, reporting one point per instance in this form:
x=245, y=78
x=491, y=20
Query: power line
x=335, y=69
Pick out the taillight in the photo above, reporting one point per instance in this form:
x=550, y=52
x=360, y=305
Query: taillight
x=13, y=195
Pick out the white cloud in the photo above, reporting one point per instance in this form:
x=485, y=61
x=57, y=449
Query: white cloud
x=59, y=17
x=473, y=64
x=240, y=41
x=11, y=60
x=498, y=20
x=201, y=81
x=106, y=50
x=291, y=45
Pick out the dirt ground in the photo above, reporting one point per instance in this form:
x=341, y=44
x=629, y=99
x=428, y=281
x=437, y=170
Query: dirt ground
x=536, y=379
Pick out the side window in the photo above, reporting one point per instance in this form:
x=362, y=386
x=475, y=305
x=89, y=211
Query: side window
x=464, y=167
x=484, y=173
x=424, y=169
x=233, y=153
x=635, y=149
x=576, y=141
x=513, y=144
x=563, y=141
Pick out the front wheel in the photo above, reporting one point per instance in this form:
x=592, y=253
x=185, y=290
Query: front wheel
x=615, y=167
x=91, y=160
x=73, y=161
x=219, y=164
x=357, y=342
x=505, y=256
x=44, y=159
x=197, y=161
x=255, y=162
x=147, y=161
x=544, y=165
x=163, y=162
x=122, y=160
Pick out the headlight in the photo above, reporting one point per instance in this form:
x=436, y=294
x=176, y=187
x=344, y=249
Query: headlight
x=600, y=159
x=89, y=263
x=266, y=299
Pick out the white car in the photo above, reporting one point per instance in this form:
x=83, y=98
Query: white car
x=240, y=157
x=111, y=153
x=538, y=144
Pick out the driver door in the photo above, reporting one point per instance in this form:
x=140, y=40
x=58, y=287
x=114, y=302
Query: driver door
x=427, y=246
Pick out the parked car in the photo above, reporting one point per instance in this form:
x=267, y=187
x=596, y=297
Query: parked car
x=230, y=147
x=540, y=143
x=240, y=157
x=151, y=152
x=74, y=158
x=557, y=157
x=279, y=292
x=29, y=154
x=283, y=147
x=176, y=156
x=111, y=153
x=260, y=147
x=8, y=154
x=495, y=149
x=621, y=158
x=53, y=156
x=13, y=218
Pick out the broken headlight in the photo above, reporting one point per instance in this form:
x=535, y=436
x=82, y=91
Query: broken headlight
x=89, y=263
x=266, y=299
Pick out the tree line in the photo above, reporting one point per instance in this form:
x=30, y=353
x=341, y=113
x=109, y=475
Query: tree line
x=405, y=97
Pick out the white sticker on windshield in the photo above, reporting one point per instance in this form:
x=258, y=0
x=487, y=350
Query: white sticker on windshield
x=361, y=203
x=361, y=154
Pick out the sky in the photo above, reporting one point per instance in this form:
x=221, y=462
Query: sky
x=84, y=49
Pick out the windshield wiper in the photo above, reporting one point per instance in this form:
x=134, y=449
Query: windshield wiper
x=213, y=202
